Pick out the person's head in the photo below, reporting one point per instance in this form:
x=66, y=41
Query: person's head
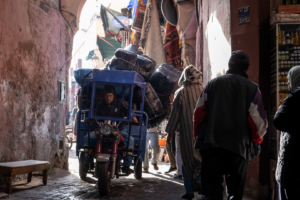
x=109, y=93
x=239, y=60
x=294, y=77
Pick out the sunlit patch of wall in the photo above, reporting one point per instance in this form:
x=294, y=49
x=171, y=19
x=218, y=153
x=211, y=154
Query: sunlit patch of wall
x=216, y=38
x=219, y=47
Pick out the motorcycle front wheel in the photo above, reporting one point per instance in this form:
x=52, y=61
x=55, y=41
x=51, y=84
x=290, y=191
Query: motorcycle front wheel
x=103, y=178
x=138, y=169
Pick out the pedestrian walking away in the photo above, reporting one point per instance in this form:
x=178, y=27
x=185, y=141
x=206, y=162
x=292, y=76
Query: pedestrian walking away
x=152, y=136
x=178, y=157
x=287, y=121
x=190, y=87
x=172, y=159
x=230, y=108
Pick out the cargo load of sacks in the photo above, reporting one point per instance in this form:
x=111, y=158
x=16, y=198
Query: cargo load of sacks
x=161, y=82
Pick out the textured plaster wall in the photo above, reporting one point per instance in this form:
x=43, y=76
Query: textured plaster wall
x=216, y=38
x=34, y=43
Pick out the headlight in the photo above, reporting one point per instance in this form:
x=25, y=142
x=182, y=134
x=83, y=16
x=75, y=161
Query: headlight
x=106, y=129
x=97, y=131
x=115, y=132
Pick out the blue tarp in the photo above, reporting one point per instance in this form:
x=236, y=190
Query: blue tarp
x=90, y=55
x=80, y=74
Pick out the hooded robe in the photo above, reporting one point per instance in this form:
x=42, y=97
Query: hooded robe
x=182, y=113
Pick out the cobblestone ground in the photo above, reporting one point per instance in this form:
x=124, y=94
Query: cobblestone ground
x=63, y=184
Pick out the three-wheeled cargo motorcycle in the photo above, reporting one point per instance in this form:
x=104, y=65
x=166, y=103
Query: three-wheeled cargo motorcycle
x=101, y=148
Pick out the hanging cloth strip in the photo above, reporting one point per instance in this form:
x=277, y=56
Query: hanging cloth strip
x=151, y=39
x=171, y=46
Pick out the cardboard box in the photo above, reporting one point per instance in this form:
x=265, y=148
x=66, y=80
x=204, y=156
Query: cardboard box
x=289, y=9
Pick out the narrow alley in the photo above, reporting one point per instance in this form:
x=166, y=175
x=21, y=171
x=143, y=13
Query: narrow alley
x=210, y=86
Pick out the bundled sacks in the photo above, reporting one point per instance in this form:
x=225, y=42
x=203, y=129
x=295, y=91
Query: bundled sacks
x=143, y=65
x=122, y=64
x=160, y=83
x=165, y=79
x=152, y=105
x=145, y=56
x=133, y=49
x=126, y=55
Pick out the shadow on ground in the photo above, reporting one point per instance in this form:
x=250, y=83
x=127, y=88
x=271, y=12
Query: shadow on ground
x=63, y=184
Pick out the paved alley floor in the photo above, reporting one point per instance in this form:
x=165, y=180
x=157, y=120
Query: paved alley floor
x=63, y=184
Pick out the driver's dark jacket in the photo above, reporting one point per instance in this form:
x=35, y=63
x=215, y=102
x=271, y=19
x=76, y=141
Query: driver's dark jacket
x=117, y=109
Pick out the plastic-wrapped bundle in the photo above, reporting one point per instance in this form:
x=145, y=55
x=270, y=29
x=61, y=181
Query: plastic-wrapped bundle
x=133, y=49
x=139, y=61
x=165, y=79
x=165, y=100
x=126, y=55
x=80, y=74
x=145, y=63
x=152, y=106
x=122, y=64
x=145, y=56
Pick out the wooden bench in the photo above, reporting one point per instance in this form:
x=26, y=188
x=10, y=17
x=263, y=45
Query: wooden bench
x=23, y=167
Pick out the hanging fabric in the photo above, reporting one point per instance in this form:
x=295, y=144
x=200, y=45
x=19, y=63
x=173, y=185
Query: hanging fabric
x=151, y=38
x=139, y=7
x=171, y=46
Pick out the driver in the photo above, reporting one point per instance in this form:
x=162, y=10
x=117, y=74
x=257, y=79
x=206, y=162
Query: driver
x=116, y=107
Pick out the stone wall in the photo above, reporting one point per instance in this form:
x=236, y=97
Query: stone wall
x=35, y=42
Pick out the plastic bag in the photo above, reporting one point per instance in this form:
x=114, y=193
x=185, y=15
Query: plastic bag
x=164, y=79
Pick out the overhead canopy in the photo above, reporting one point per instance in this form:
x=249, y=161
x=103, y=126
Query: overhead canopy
x=107, y=18
x=107, y=47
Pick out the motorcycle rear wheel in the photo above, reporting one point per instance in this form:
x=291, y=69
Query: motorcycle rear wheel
x=103, y=178
x=82, y=169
